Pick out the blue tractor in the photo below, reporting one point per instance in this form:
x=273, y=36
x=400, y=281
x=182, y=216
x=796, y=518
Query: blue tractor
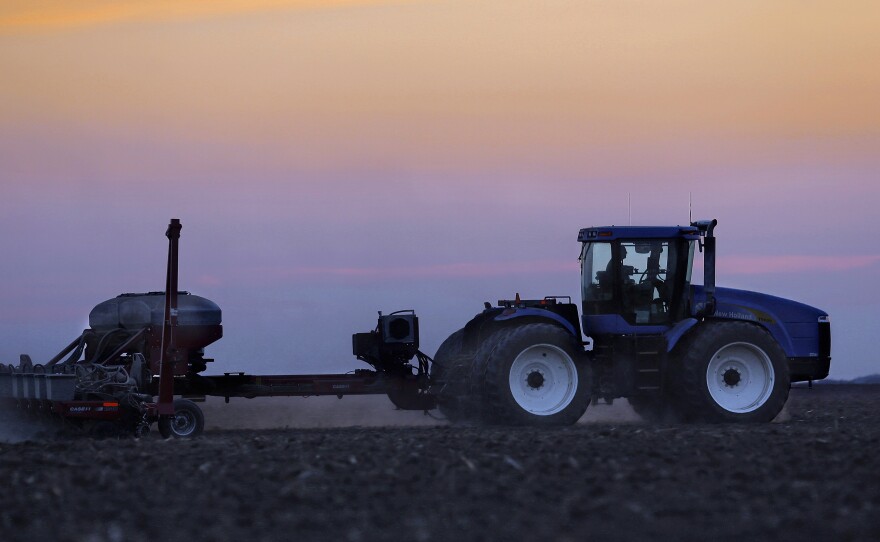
x=674, y=349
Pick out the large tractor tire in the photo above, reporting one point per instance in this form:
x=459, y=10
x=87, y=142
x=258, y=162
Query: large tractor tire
x=731, y=372
x=188, y=421
x=449, y=378
x=532, y=374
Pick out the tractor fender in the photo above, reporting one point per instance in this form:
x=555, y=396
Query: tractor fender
x=793, y=325
x=541, y=314
x=677, y=331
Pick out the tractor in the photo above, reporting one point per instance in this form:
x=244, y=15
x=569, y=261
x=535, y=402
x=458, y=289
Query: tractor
x=674, y=349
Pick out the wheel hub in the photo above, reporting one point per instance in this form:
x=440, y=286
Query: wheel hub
x=535, y=380
x=740, y=377
x=182, y=422
x=731, y=377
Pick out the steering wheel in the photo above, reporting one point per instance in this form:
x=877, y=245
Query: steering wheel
x=655, y=280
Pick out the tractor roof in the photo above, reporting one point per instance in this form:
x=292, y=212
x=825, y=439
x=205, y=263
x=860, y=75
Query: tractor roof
x=611, y=233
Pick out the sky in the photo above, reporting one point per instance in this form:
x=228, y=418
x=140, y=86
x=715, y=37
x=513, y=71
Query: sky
x=331, y=159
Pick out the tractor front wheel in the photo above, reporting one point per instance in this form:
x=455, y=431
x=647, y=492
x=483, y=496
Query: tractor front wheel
x=188, y=421
x=731, y=372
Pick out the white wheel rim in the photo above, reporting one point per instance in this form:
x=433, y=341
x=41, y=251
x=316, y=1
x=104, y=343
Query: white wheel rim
x=543, y=379
x=740, y=377
x=183, y=423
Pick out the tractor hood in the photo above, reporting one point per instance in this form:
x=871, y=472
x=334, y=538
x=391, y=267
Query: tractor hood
x=793, y=324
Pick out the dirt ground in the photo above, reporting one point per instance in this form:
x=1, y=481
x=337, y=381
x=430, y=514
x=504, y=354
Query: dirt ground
x=355, y=469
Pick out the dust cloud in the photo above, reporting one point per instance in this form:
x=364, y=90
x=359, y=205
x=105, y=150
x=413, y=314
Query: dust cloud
x=16, y=427
x=294, y=412
x=351, y=411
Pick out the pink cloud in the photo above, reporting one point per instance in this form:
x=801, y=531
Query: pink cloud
x=452, y=270
x=736, y=265
x=759, y=265
x=209, y=280
x=44, y=313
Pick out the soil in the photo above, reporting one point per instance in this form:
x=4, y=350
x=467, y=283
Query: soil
x=812, y=475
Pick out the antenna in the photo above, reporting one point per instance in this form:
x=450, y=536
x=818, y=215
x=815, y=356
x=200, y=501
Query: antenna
x=690, y=208
x=629, y=205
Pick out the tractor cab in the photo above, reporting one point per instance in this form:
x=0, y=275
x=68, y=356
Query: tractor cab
x=636, y=279
x=637, y=297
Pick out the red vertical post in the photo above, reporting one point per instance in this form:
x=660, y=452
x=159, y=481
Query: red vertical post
x=165, y=405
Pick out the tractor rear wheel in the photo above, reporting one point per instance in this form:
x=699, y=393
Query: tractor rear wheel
x=449, y=371
x=188, y=421
x=731, y=372
x=532, y=374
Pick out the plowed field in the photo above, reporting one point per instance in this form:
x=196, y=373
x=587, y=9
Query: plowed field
x=350, y=471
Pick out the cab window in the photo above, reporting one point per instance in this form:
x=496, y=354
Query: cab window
x=630, y=278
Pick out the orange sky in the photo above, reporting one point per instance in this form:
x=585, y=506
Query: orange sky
x=47, y=15
x=566, y=73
